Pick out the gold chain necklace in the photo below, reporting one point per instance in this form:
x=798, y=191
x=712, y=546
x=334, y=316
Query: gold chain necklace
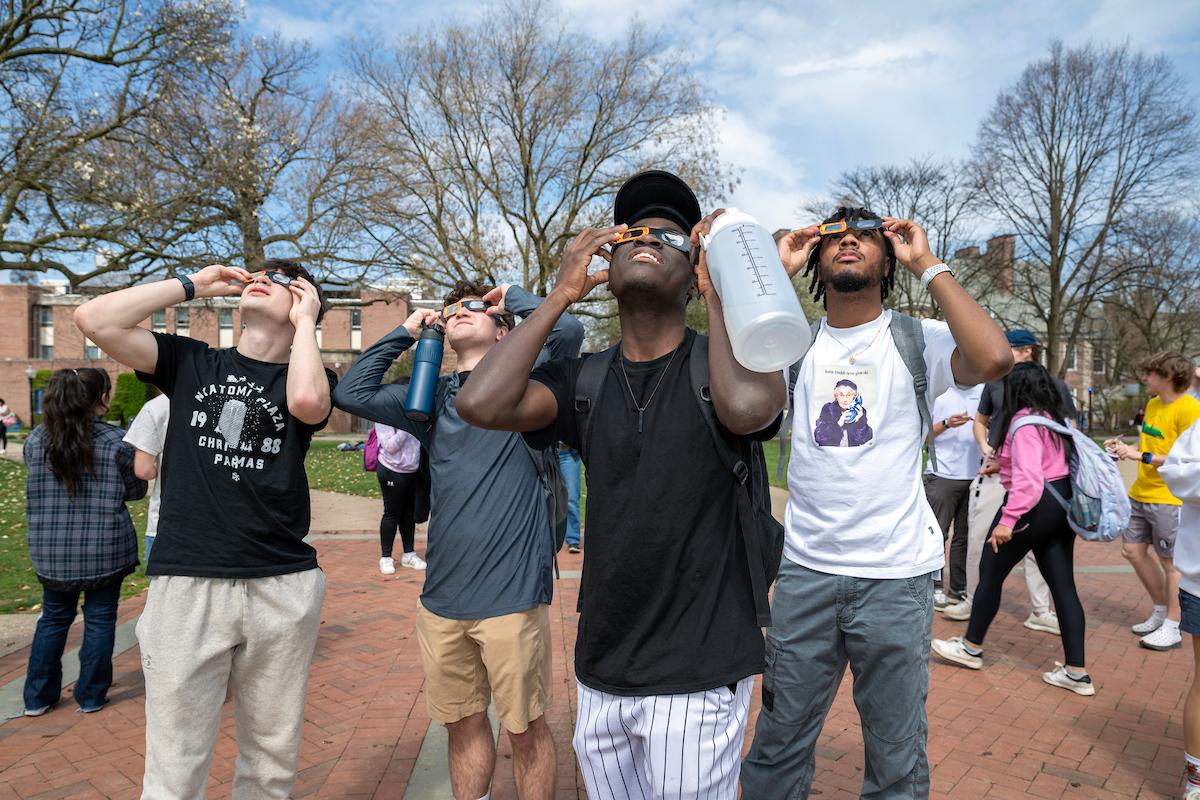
x=852, y=356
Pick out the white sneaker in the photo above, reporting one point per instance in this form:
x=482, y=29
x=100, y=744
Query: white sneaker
x=1162, y=639
x=1059, y=677
x=1153, y=623
x=939, y=600
x=412, y=561
x=953, y=650
x=387, y=566
x=1191, y=793
x=1047, y=623
x=960, y=611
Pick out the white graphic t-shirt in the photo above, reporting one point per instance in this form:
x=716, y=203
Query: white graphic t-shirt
x=856, y=503
x=957, y=451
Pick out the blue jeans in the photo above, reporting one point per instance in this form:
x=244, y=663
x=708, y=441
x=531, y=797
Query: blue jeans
x=43, y=681
x=822, y=622
x=572, y=471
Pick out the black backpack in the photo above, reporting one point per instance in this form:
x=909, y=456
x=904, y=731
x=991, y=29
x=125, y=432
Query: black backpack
x=761, y=532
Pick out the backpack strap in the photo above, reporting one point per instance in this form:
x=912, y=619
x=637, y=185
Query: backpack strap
x=910, y=342
x=794, y=369
x=735, y=462
x=588, y=384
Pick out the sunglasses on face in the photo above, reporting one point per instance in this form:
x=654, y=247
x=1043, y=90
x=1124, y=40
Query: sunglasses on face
x=477, y=306
x=670, y=238
x=842, y=225
x=273, y=277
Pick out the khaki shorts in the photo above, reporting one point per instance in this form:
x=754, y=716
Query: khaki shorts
x=470, y=662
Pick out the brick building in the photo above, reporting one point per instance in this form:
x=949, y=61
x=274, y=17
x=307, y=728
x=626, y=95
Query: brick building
x=37, y=332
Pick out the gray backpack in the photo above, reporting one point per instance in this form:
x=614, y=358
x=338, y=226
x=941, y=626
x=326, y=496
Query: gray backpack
x=910, y=342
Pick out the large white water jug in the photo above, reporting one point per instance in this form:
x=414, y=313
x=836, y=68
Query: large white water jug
x=766, y=325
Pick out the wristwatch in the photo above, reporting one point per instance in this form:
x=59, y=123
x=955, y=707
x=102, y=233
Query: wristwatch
x=928, y=275
x=189, y=288
x=1147, y=457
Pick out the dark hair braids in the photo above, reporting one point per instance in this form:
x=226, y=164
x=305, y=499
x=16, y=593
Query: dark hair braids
x=816, y=286
x=70, y=404
x=1030, y=386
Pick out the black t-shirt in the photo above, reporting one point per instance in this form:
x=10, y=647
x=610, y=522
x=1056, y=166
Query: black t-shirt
x=991, y=404
x=234, y=494
x=666, y=605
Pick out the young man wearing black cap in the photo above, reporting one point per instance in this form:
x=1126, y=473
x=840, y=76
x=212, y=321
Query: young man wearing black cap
x=863, y=546
x=987, y=495
x=670, y=608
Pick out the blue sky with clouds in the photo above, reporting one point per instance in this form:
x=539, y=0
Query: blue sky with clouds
x=810, y=90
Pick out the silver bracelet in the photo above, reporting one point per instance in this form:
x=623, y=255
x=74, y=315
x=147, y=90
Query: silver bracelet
x=928, y=275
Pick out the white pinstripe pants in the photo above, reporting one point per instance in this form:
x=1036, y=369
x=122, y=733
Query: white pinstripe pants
x=662, y=747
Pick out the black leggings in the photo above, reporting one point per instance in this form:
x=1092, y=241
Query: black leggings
x=399, y=490
x=3, y=436
x=1043, y=530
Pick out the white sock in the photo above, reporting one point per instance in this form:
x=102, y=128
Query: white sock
x=1160, y=612
x=1076, y=672
x=487, y=796
x=1171, y=625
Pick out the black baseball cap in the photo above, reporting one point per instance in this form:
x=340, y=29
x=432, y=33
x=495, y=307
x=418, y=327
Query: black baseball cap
x=657, y=193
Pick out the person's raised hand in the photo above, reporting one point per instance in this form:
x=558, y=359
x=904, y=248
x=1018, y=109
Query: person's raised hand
x=958, y=420
x=496, y=298
x=573, y=282
x=419, y=319
x=306, y=303
x=699, y=256
x=909, y=242
x=218, y=280
x=797, y=246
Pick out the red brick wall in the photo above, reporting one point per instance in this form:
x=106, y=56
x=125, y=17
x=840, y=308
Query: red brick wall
x=16, y=302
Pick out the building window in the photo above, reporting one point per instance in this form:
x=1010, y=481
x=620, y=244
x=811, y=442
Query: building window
x=45, y=332
x=320, y=342
x=158, y=321
x=1069, y=359
x=1097, y=359
x=90, y=350
x=183, y=323
x=225, y=327
x=356, y=329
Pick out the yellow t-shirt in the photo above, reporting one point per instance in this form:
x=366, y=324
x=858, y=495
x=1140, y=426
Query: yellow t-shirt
x=1163, y=425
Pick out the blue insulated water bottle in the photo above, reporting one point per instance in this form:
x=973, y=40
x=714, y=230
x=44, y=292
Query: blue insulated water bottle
x=422, y=387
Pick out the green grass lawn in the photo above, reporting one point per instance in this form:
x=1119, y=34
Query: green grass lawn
x=333, y=470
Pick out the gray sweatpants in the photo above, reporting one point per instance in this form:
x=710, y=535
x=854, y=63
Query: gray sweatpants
x=201, y=637
x=822, y=622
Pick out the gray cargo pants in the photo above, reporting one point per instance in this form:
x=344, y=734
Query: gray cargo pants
x=822, y=622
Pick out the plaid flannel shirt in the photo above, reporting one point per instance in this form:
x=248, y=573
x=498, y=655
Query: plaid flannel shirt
x=75, y=541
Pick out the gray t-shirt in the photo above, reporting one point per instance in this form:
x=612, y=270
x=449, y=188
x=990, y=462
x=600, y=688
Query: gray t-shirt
x=489, y=549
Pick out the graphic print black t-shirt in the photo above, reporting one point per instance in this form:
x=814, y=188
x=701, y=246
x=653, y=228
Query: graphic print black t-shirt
x=235, y=495
x=666, y=604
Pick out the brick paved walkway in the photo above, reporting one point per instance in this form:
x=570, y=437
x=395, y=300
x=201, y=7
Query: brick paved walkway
x=999, y=733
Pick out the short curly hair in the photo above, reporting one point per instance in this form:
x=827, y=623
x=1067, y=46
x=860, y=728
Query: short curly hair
x=1169, y=365
x=467, y=288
